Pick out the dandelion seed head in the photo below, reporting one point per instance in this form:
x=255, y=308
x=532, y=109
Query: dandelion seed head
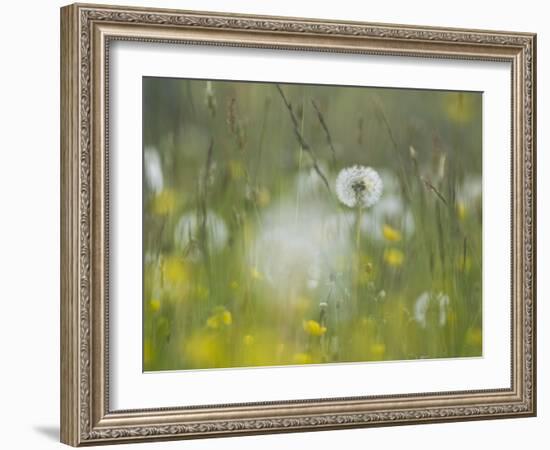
x=358, y=186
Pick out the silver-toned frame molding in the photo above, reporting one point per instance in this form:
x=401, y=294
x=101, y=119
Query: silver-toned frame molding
x=86, y=31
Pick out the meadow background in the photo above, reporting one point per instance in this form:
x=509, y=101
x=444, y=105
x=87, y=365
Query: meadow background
x=251, y=259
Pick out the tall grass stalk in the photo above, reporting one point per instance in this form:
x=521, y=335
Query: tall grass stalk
x=300, y=153
x=324, y=125
x=304, y=145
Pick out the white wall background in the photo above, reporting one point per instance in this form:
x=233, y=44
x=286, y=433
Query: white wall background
x=29, y=223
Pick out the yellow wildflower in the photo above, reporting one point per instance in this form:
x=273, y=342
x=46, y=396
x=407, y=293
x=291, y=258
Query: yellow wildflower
x=474, y=337
x=391, y=234
x=154, y=304
x=314, y=328
x=221, y=316
x=302, y=358
x=461, y=210
x=164, y=202
x=234, y=285
x=203, y=350
x=227, y=318
x=394, y=257
x=377, y=351
x=248, y=340
x=147, y=352
x=175, y=271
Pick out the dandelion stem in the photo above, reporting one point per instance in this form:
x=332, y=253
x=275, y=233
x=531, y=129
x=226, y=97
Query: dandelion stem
x=357, y=268
x=358, y=229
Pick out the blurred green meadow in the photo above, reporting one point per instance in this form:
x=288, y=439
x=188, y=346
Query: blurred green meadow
x=305, y=224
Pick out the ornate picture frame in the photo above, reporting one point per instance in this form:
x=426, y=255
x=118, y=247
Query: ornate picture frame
x=87, y=31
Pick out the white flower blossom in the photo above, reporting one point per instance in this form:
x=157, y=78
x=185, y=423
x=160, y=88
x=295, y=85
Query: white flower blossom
x=292, y=252
x=424, y=302
x=470, y=190
x=153, y=170
x=187, y=233
x=286, y=256
x=358, y=186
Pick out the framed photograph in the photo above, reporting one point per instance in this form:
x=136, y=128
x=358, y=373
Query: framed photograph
x=275, y=225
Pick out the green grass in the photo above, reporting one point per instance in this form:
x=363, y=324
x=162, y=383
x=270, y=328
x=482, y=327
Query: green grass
x=251, y=259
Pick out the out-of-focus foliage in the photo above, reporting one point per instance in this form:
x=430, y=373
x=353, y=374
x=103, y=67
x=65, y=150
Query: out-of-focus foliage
x=251, y=258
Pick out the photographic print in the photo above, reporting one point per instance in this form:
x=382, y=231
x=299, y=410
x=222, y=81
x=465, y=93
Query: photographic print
x=293, y=224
